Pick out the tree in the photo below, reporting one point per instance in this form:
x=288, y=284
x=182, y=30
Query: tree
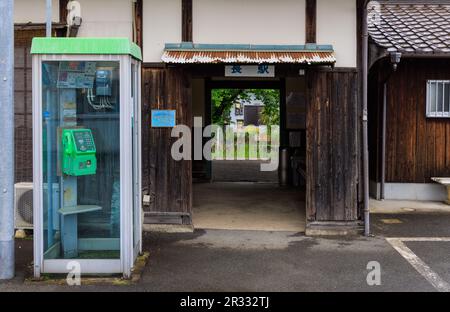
x=270, y=114
x=223, y=100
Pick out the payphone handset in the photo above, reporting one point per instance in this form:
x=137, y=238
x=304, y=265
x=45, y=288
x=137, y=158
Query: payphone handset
x=79, y=152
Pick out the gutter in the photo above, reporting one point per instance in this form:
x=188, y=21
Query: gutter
x=395, y=59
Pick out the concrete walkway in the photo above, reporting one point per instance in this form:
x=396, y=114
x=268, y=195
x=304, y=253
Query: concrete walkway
x=402, y=206
x=248, y=206
x=241, y=171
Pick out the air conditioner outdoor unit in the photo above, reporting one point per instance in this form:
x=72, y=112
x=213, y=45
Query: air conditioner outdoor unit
x=23, y=205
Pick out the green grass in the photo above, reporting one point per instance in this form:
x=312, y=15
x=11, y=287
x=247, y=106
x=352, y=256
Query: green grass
x=243, y=153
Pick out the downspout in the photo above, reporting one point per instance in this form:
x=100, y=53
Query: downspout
x=365, y=139
x=395, y=60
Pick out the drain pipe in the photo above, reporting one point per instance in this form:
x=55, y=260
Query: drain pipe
x=365, y=139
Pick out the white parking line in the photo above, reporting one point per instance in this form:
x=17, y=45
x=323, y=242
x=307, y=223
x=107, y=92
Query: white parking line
x=432, y=277
x=422, y=239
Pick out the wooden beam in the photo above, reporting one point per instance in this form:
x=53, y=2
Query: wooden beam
x=186, y=24
x=138, y=27
x=63, y=11
x=311, y=18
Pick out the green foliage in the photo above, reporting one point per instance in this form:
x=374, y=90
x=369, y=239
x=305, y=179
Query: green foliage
x=223, y=100
x=270, y=114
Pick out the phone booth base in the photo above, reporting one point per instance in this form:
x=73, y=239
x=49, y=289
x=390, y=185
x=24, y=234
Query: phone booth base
x=86, y=155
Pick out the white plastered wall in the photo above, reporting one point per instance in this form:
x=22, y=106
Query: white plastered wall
x=336, y=25
x=34, y=11
x=101, y=18
x=161, y=25
x=249, y=21
x=106, y=18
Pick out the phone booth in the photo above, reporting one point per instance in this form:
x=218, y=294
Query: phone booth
x=86, y=155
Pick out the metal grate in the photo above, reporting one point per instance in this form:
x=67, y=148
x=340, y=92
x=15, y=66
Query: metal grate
x=438, y=98
x=23, y=107
x=25, y=206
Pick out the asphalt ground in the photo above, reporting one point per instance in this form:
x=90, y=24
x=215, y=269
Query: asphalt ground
x=226, y=260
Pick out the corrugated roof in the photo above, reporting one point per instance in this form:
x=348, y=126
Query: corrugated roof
x=188, y=53
x=412, y=28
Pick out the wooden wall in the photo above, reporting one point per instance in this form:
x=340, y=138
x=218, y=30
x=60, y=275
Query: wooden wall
x=333, y=153
x=417, y=148
x=168, y=182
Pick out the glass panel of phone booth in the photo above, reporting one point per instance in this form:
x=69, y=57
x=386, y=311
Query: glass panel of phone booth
x=81, y=159
x=136, y=153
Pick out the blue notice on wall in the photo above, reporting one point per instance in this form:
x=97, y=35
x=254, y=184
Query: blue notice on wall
x=163, y=118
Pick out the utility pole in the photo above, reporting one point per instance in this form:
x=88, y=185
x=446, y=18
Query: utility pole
x=6, y=139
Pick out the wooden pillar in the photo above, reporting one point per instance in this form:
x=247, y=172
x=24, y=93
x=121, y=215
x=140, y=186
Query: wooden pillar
x=168, y=182
x=186, y=23
x=138, y=23
x=311, y=18
x=63, y=11
x=332, y=151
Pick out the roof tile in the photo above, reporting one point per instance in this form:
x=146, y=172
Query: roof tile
x=417, y=28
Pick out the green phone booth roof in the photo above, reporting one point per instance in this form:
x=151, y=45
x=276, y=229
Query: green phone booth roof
x=122, y=46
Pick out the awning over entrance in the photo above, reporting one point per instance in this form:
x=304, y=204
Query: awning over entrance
x=189, y=53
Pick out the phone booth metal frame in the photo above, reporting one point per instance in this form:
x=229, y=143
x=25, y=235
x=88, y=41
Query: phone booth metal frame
x=129, y=242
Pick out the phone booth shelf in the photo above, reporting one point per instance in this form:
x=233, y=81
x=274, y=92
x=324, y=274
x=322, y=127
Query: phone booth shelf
x=86, y=155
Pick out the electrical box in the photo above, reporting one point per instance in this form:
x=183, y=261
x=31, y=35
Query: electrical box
x=103, y=82
x=79, y=151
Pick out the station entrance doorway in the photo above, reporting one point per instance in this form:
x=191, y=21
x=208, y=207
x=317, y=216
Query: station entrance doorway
x=254, y=177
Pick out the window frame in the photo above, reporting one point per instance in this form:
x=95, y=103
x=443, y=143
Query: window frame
x=429, y=113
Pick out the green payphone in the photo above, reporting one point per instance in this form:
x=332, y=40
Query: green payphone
x=78, y=152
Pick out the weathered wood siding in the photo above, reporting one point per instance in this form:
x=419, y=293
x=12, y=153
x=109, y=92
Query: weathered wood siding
x=417, y=147
x=333, y=153
x=375, y=106
x=168, y=182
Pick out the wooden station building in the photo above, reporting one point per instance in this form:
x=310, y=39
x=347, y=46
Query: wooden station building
x=409, y=104
x=315, y=50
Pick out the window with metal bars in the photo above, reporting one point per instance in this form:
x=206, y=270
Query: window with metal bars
x=438, y=98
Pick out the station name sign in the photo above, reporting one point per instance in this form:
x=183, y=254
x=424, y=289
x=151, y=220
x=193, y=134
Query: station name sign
x=260, y=70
